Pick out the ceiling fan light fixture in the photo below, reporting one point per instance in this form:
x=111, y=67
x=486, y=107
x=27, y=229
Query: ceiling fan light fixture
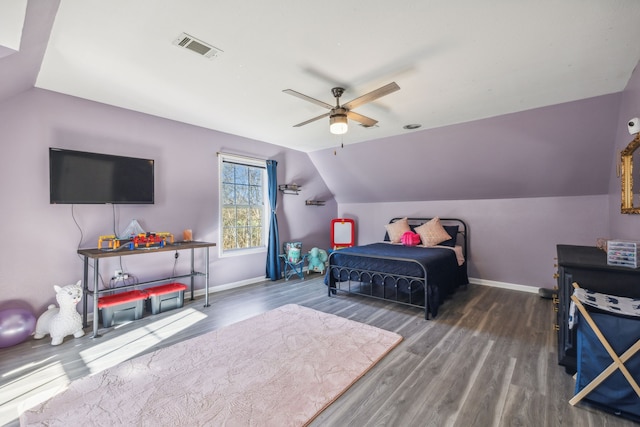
x=338, y=124
x=338, y=115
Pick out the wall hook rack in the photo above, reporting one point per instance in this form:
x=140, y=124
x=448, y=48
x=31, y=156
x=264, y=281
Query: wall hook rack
x=289, y=188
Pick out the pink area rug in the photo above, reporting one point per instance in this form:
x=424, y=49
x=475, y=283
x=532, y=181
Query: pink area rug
x=280, y=368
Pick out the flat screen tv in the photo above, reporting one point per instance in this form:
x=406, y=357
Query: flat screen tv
x=78, y=177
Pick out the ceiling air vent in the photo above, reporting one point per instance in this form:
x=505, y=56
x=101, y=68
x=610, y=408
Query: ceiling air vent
x=198, y=46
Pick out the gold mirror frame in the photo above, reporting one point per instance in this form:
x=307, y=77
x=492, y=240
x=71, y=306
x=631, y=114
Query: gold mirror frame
x=626, y=174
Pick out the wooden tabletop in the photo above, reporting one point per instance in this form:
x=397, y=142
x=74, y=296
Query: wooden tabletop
x=124, y=250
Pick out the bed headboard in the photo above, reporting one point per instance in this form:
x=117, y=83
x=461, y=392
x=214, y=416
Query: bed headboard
x=462, y=238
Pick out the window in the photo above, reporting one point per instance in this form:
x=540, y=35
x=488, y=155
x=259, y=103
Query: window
x=243, y=204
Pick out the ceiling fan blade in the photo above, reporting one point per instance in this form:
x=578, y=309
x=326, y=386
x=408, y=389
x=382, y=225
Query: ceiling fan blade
x=312, y=120
x=317, y=73
x=372, y=96
x=366, y=121
x=308, y=98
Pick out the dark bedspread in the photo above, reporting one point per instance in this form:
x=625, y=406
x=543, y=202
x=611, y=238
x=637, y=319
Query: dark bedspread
x=443, y=273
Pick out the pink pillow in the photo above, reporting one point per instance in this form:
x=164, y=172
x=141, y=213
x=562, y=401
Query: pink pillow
x=409, y=238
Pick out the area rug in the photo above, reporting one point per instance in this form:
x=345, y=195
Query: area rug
x=280, y=368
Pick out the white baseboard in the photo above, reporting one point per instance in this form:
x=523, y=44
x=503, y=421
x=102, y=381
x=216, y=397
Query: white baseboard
x=227, y=286
x=504, y=285
x=472, y=280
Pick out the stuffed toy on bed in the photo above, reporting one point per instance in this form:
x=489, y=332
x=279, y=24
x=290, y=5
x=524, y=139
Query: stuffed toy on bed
x=317, y=258
x=409, y=238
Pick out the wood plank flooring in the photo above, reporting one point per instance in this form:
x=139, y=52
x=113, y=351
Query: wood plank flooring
x=488, y=359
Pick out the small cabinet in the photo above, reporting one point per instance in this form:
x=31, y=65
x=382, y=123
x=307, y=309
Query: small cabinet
x=586, y=265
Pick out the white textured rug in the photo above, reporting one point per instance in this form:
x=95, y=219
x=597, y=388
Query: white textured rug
x=280, y=368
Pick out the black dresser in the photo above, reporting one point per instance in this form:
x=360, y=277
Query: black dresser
x=587, y=265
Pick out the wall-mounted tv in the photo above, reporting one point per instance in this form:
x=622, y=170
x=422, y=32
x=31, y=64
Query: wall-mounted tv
x=78, y=177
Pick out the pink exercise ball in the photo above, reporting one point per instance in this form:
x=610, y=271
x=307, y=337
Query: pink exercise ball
x=16, y=325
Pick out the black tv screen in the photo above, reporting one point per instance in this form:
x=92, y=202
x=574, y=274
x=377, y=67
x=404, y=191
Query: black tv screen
x=77, y=177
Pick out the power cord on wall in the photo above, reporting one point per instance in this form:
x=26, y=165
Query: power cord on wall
x=113, y=216
x=175, y=264
x=73, y=216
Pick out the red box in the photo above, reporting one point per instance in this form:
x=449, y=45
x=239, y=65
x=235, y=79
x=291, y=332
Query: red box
x=165, y=297
x=121, y=307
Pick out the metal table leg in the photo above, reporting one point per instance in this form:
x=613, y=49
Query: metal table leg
x=192, y=273
x=206, y=277
x=85, y=291
x=96, y=277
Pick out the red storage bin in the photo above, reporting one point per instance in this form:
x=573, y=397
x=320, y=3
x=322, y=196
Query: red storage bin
x=165, y=297
x=121, y=307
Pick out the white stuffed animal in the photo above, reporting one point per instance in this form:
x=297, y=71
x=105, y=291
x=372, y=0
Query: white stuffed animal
x=63, y=321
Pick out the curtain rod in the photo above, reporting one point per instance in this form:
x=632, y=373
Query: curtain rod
x=240, y=156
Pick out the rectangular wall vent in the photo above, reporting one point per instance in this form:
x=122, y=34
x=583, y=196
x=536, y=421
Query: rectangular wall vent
x=191, y=43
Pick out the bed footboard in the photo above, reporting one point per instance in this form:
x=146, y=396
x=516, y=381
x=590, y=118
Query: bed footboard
x=411, y=290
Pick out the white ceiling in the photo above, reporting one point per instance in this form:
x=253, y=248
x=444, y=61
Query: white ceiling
x=453, y=64
x=11, y=23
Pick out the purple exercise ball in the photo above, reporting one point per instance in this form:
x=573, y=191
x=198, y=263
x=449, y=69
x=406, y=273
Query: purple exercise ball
x=16, y=325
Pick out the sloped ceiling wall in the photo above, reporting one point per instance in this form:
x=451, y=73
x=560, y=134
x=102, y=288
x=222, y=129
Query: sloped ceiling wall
x=20, y=69
x=562, y=150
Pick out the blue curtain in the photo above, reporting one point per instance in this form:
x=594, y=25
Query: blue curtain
x=274, y=272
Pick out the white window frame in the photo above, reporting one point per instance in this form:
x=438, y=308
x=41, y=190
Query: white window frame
x=266, y=217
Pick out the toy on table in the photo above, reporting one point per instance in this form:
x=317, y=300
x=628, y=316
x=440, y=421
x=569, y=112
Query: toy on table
x=146, y=240
x=316, y=260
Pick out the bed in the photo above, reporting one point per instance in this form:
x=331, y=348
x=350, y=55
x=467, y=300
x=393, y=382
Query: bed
x=420, y=276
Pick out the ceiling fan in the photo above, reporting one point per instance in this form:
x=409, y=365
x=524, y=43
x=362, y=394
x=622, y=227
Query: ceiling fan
x=339, y=114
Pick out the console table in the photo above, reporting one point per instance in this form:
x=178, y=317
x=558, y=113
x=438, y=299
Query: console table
x=587, y=265
x=96, y=254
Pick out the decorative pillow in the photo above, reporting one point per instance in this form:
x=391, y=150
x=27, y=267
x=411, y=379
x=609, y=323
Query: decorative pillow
x=395, y=230
x=432, y=233
x=452, y=230
x=410, y=238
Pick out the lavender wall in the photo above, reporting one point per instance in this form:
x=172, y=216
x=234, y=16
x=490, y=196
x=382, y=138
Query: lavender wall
x=624, y=226
x=511, y=241
x=40, y=240
x=524, y=182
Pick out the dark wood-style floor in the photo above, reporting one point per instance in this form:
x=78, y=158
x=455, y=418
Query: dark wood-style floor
x=488, y=359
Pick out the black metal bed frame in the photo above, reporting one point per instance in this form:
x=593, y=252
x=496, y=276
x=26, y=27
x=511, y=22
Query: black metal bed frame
x=388, y=283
